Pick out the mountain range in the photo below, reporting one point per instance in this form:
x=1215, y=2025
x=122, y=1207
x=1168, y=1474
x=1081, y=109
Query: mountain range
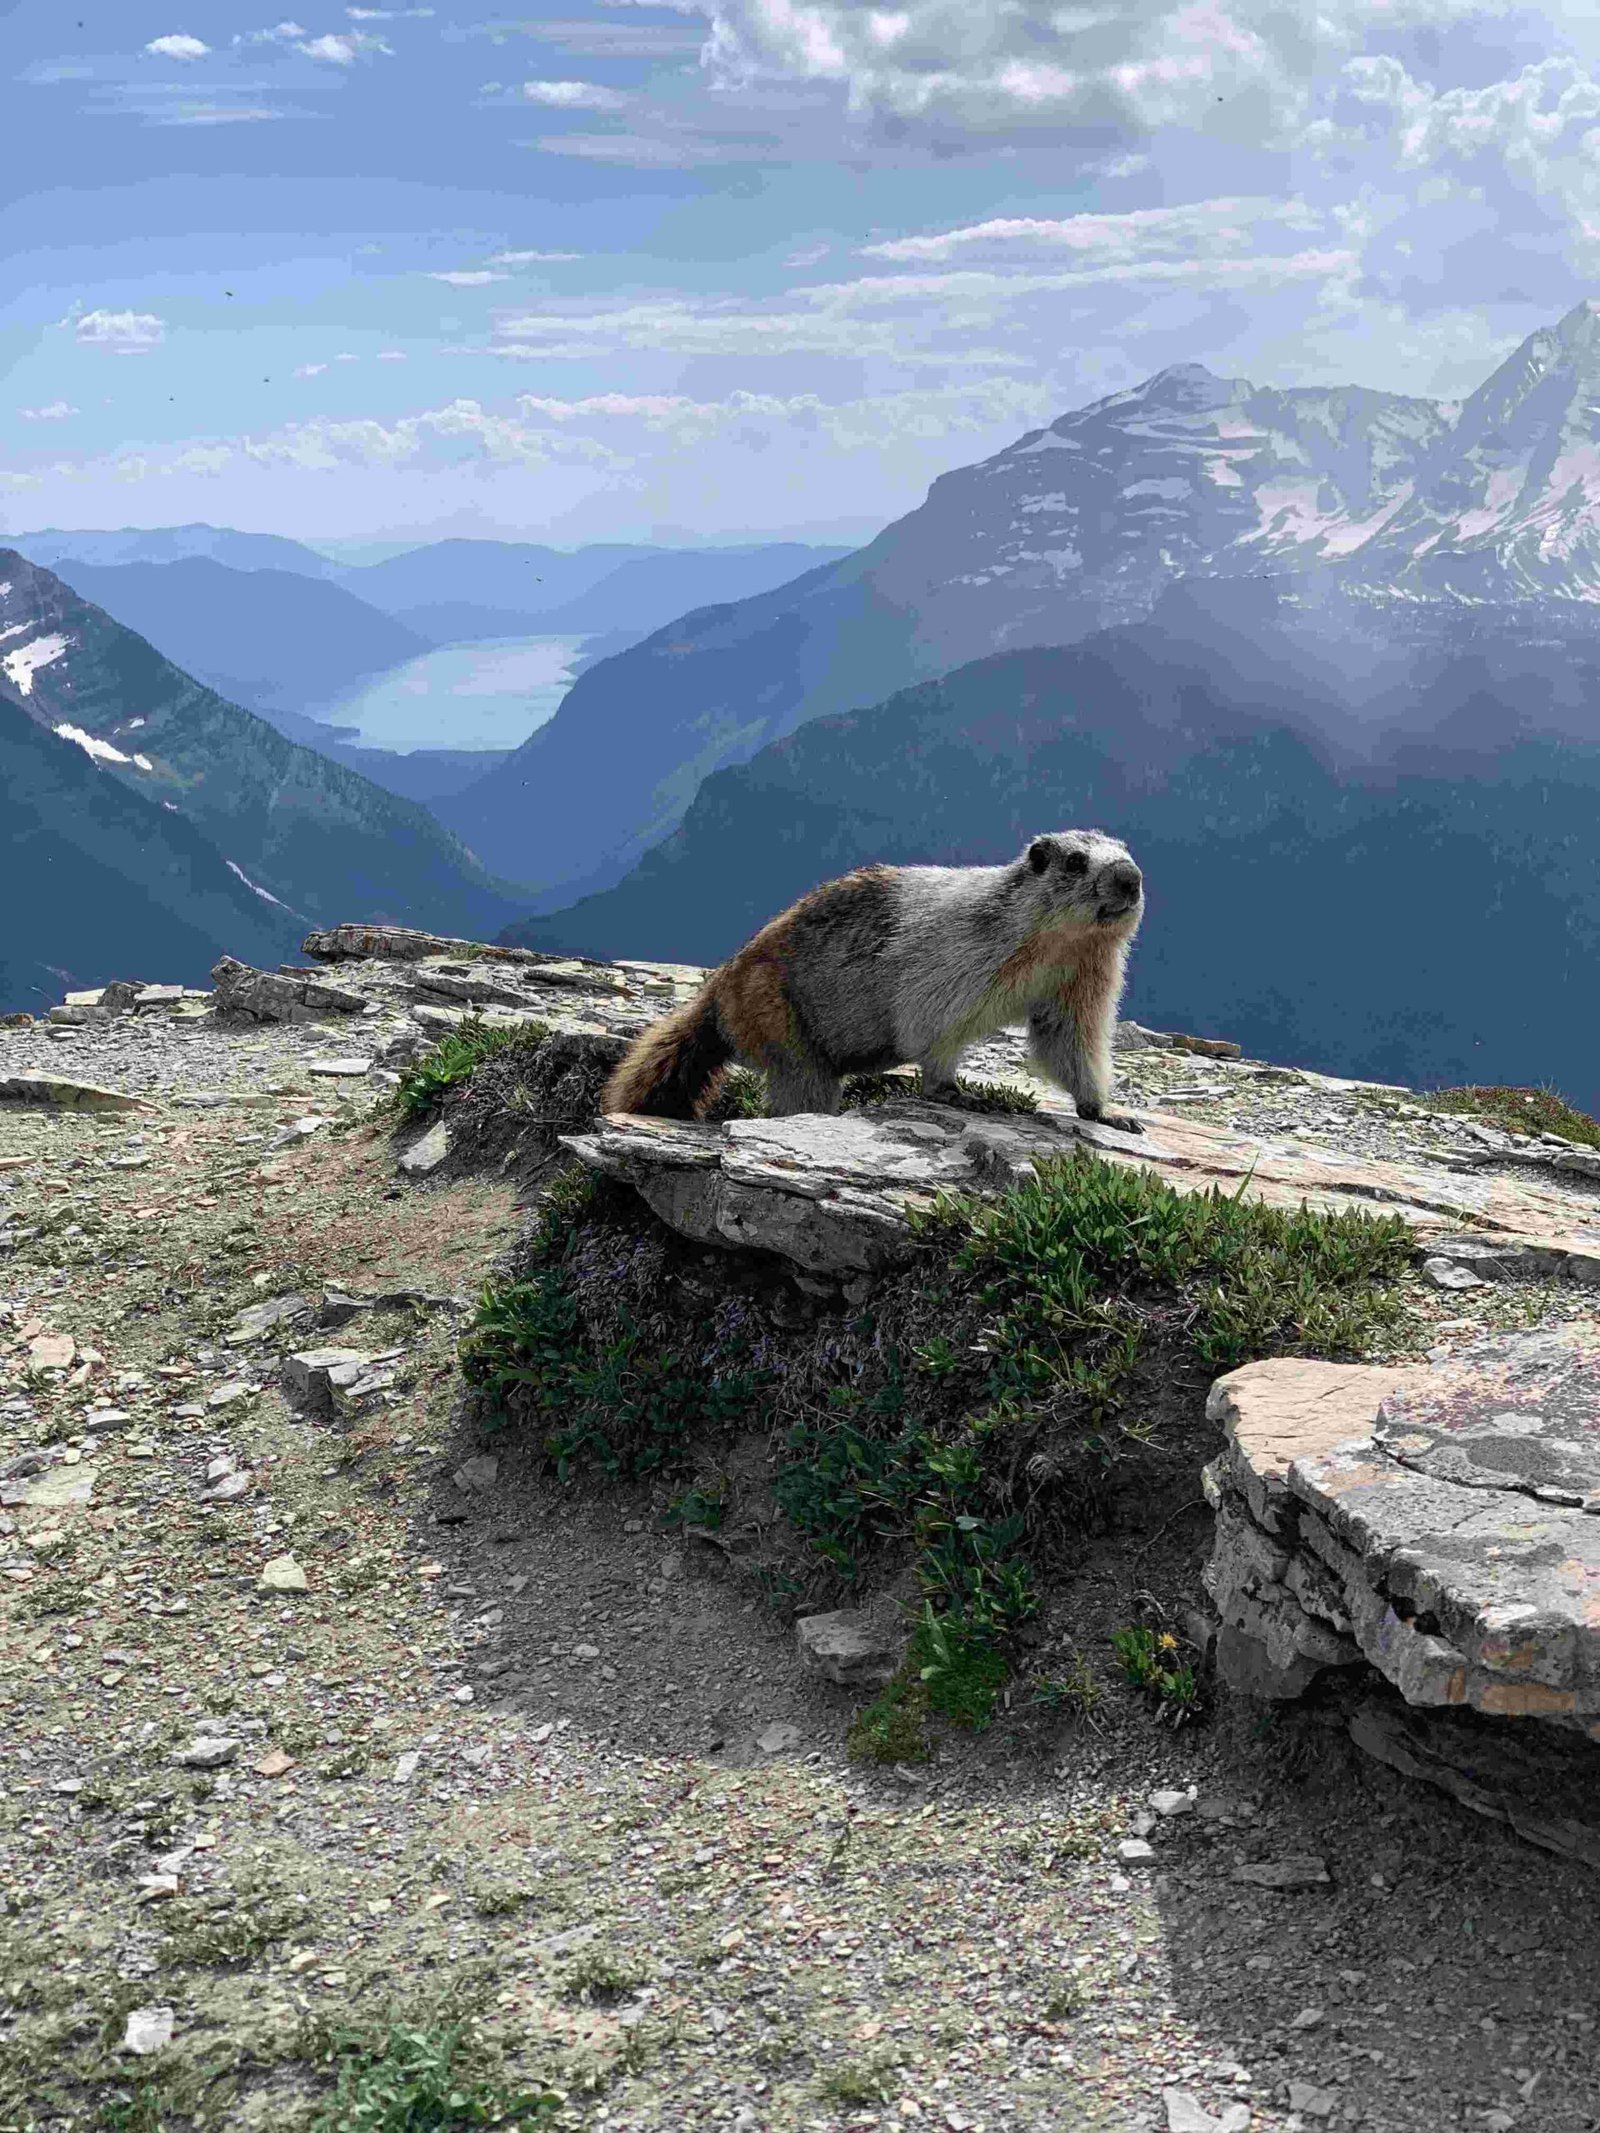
x=1406, y=889
x=1081, y=526
x=305, y=839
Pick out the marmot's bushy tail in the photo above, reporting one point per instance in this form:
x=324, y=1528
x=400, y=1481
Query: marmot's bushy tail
x=674, y=1068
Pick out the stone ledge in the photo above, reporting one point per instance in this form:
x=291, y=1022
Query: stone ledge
x=1438, y=1522
x=834, y=1195
x=837, y=1192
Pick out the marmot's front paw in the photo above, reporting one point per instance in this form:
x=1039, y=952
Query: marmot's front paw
x=1119, y=1121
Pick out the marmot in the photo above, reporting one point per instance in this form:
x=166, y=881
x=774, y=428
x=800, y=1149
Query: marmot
x=896, y=964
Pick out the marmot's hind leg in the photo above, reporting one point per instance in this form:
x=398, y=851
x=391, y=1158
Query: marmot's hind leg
x=799, y=1081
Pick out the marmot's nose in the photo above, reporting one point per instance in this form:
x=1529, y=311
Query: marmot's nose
x=1124, y=878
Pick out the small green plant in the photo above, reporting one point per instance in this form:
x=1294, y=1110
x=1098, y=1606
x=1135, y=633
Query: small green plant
x=993, y=1096
x=1064, y=2001
x=1074, y=1694
x=893, y=1728
x=599, y=1978
x=456, y=1058
x=961, y=1666
x=863, y=2081
x=742, y=1093
x=1531, y=1111
x=705, y=1504
x=420, y=2080
x=1150, y=1660
x=622, y=1402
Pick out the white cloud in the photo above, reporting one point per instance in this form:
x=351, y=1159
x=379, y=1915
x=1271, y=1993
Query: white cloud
x=391, y=355
x=1140, y=233
x=469, y=277
x=311, y=370
x=638, y=151
x=463, y=429
x=180, y=46
x=530, y=259
x=57, y=411
x=211, y=115
x=389, y=14
x=286, y=32
x=1244, y=68
x=127, y=332
x=933, y=320
x=342, y=48
x=573, y=95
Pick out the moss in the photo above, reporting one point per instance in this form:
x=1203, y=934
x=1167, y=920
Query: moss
x=1520, y=1111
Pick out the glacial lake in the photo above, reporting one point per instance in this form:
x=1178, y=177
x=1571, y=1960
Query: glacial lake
x=489, y=695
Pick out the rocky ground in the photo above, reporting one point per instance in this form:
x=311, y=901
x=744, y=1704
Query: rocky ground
x=321, y=1715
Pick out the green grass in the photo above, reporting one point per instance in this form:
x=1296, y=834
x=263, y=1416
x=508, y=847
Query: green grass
x=1520, y=1111
x=456, y=1058
x=893, y=1728
x=743, y=1094
x=988, y=1404
x=420, y=2080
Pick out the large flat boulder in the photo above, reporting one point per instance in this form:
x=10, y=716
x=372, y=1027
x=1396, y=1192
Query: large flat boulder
x=838, y=1193
x=1434, y=1526
x=834, y=1195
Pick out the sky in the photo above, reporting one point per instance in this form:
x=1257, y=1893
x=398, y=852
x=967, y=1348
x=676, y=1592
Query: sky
x=652, y=270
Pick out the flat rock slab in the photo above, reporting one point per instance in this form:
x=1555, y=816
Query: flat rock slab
x=1439, y=1524
x=401, y=944
x=836, y=1194
x=280, y=996
x=60, y=1095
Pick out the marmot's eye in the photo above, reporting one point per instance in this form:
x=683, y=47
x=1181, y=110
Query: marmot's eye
x=1075, y=863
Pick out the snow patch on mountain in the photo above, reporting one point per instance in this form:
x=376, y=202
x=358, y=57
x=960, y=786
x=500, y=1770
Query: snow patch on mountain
x=20, y=666
x=90, y=743
x=266, y=895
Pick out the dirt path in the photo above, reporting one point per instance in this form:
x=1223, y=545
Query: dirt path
x=501, y=1759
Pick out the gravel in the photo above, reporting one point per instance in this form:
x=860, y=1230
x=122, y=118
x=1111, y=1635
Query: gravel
x=495, y=1730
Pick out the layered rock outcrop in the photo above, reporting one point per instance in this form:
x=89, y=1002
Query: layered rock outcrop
x=1433, y=1532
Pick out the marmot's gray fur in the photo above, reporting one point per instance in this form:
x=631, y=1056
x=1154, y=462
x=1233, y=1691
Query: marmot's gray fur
x=896, y=964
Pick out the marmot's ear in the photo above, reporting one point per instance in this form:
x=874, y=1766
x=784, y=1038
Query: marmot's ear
x=1040, y=854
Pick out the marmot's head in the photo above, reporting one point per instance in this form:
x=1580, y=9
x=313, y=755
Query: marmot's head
x=1088, y=878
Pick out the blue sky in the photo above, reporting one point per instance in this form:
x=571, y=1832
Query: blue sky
x=631, y=270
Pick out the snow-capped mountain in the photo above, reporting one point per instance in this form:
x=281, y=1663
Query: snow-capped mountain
x=1414, y=504
x=1506, y=506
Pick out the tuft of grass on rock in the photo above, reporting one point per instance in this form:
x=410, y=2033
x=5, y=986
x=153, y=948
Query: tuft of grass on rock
x=1531, y=1111
x=456, y=1058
